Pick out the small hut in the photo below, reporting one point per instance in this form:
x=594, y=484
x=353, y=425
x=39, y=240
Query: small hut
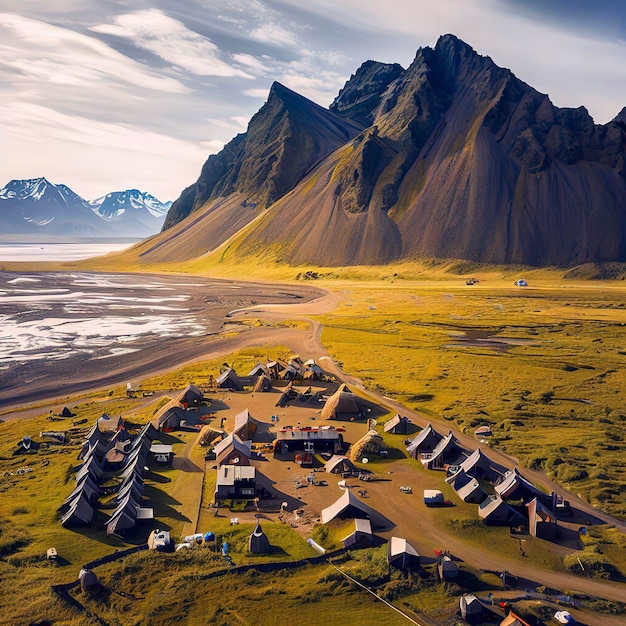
x=361, y=535
x=447, y=568
x=371, y=443
x=258, y=543
x=402, y=555
x=397, y=425
x=263, y=384
x=190, y=396
x=228, y=379
x=339, y=464
x=343, y=404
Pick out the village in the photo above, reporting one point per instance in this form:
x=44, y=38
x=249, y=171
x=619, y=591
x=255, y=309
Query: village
x=289, y=444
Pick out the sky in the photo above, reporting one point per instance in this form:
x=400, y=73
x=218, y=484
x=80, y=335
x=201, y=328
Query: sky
x=106, y=95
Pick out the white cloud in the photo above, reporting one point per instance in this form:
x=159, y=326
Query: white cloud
x=85, y=154
x=213, y=146
x=39, y=52
x=235, y=124
x=256, y=93
x=172, y=41
x=251, y=62
x=274, y=34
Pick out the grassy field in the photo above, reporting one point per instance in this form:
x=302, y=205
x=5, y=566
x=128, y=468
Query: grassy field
x=543, y=366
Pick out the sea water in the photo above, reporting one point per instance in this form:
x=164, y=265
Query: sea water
x=59, y=251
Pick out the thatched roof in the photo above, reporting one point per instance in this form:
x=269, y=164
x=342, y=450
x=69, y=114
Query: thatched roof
x=371, y=443
x=343, y=404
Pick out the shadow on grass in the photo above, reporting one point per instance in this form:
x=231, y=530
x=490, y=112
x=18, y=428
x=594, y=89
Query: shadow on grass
x=157, y=478
x=168, y=438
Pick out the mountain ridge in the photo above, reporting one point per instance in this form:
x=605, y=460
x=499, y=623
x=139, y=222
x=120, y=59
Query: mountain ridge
x=461, y=159
x=36, y=206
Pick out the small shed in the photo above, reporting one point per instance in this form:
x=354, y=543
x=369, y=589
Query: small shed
x=348, y=506
x=447, y=568
x=402, y=555
x=258, y=543
x=263, y=384
x=161, y=453
x=496, y=511
x=228, y=379
x=339, y=464
x=470, y=606
x=360, y=536
x=397, y=425
x=245, y=425
x=190, y=396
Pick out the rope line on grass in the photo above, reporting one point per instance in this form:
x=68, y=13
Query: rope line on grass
x=391, y=606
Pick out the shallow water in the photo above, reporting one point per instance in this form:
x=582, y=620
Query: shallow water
x=58, y=251
x=64, y=331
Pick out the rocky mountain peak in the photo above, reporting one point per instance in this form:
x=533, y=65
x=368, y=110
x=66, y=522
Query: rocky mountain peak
x=454, y=157
x=363, y=92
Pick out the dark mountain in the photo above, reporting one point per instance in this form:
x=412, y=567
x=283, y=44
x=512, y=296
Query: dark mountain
x=459, y=159
x=284, y=140
x=38, y=207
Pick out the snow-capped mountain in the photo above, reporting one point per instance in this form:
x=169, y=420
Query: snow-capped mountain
x=36, y=206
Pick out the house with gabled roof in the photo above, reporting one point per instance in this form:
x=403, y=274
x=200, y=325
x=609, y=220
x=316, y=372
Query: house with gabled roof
x=233, y=451
x=480, y=466
x=339, y=464
x=471, y=491
x=235, y=481
x=348, y=506
x=497, y=512
x=513, y=486
x=190, y=396
x=360, y=536
x=446, y=452
x=402, y=555
x=79, y=512
x=424, y=442
x=228, y=379
x=245, y=425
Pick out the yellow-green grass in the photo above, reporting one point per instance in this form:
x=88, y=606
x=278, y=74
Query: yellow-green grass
x=553, y=396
